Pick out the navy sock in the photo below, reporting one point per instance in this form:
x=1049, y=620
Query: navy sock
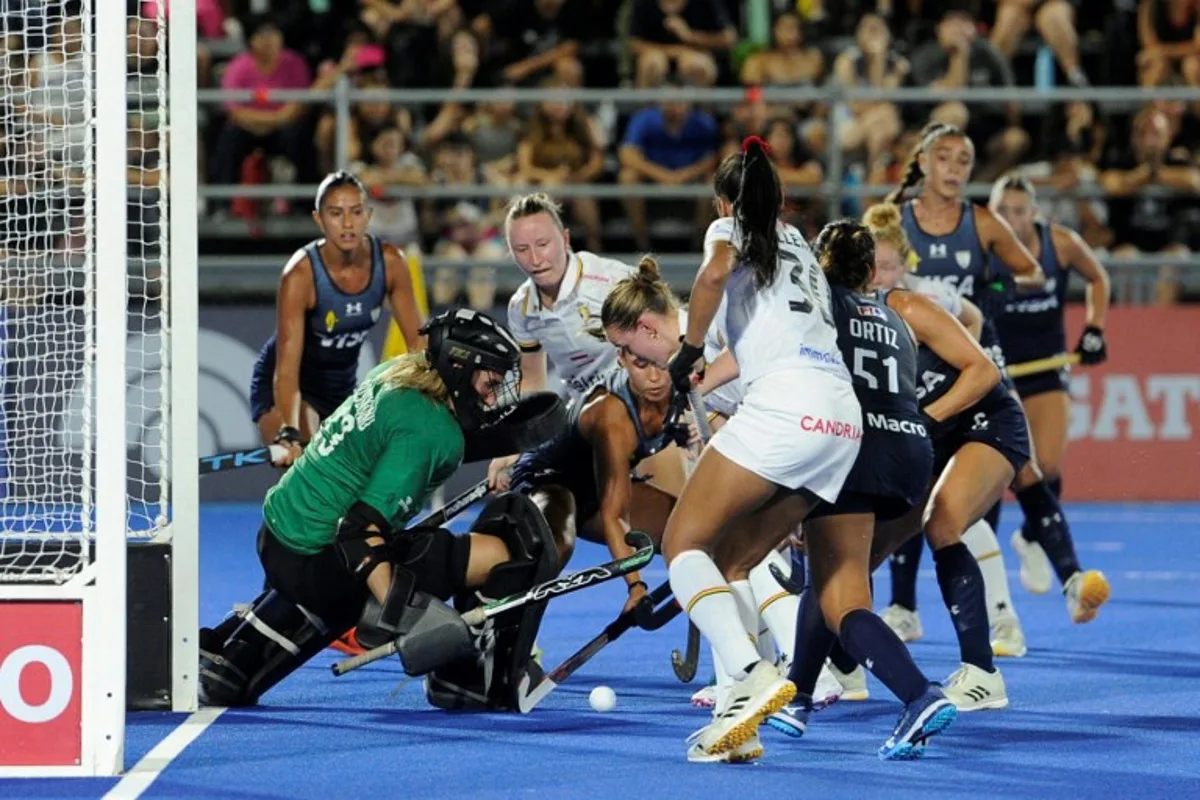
x=993, y=516
x=904, y=564
x=1055, y=485
x=870, y=642
x=1045, y=518
x=841, y=659
x=813, y=640
x=962, y=590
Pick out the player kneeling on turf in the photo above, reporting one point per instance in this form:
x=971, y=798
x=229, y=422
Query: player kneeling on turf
x=333, y=537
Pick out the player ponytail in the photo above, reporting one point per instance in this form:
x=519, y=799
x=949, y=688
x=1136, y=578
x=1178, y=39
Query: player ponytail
x=336, y=180
x=930, y=134
x=749, y=181
x=883, y=221
x=846, y=253
x=642, y=292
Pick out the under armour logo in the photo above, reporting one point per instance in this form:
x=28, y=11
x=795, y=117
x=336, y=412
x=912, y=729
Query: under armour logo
x=353, y=309
x=937, y=251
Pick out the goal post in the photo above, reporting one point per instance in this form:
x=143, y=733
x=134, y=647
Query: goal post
x=98, y=413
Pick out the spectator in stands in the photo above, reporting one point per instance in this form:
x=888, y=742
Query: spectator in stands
x=363, y=65
x=671, y=145
x=494, y=130
x=789, y=62
x=797, y=167
x=1074, y=141
x=871, y=127
x=57, y=79
x=1144, y=223
x=274, y=127
x=1169, y=34
x=455, y=68
x=416, y=35
x=686, y=35
x=390, y=165
x=462, y=229
x=956, y=59
x=1054, y=20
x=560, y=146
x=525, y=39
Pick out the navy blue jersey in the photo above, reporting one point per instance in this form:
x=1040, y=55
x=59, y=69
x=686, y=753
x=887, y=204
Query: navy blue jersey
x=1031, y=326
x=569, y=461
x=334, y=332
x=878, y=347
x=996, y=420
x=958, y=258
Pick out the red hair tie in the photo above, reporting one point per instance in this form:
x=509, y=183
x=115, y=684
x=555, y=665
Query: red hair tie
x=766, y=148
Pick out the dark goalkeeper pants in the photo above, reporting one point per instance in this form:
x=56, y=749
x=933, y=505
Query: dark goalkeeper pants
x=319, y=582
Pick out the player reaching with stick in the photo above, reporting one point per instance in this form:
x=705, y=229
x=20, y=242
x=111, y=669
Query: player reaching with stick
x=791, y=444
x=631, y=415
x=1031, y=327
x=329, y=299
x=555, y=313
x=333, y=527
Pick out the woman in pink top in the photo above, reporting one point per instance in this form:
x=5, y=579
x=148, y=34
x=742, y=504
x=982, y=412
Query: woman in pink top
x=279, y=128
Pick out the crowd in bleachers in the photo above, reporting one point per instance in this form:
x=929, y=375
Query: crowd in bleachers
x=271, y=44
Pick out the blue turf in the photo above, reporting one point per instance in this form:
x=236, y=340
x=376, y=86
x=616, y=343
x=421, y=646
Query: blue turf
x=1108, y=708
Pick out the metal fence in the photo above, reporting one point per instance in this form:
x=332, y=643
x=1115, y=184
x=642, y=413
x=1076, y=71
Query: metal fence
x=1133, y=277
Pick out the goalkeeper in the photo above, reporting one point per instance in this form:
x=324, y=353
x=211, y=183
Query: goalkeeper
x=333, y=536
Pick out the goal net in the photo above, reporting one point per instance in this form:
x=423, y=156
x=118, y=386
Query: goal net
x=86, y=321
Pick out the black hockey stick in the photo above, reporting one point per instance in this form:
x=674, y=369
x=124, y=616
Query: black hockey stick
x=791, y=584
x=685, y=664
x=528, y=698
x=543, y=591
x=453, y=508
x=223, y=462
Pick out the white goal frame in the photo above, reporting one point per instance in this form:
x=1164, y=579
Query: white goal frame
x=101, y=585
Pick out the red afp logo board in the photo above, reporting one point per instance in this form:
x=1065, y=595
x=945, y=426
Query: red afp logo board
x=41, y=653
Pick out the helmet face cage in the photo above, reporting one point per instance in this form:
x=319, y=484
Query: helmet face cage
x=463, y=342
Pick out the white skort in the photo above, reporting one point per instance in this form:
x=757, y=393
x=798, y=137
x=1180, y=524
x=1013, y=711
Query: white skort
x=799, y=428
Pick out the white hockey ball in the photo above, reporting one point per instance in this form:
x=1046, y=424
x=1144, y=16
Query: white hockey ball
x=603, y=699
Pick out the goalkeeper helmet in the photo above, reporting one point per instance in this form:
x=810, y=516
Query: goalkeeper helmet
x=462, y=342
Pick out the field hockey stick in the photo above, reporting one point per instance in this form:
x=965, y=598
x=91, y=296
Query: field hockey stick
x=452, y=509
x=1042, y=365
x=223, y=462
x=684, y=664
x=528, y=698
x=543, y=591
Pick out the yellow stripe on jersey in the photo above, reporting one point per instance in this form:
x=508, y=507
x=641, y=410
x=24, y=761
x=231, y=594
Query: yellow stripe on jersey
x=395, y=344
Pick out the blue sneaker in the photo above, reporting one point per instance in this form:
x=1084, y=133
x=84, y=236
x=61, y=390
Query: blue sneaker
x=790, y=720
x=930, y=713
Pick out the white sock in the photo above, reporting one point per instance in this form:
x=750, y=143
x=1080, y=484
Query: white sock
x=719, y=670
x=748, y=610
x=777, y=606
x=981, y=540
x=710, y=603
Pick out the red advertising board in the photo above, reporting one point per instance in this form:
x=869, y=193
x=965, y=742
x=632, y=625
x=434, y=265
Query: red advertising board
x=41, y=651
x=1135, y=420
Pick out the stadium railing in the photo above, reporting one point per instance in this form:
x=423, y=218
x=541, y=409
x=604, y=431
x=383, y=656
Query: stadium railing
x=1131, y=273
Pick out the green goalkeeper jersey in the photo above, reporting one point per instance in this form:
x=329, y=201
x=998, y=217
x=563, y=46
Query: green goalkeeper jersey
x=386, y=447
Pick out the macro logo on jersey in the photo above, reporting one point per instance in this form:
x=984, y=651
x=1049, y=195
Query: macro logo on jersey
x=893, y=425
x=331, y=320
